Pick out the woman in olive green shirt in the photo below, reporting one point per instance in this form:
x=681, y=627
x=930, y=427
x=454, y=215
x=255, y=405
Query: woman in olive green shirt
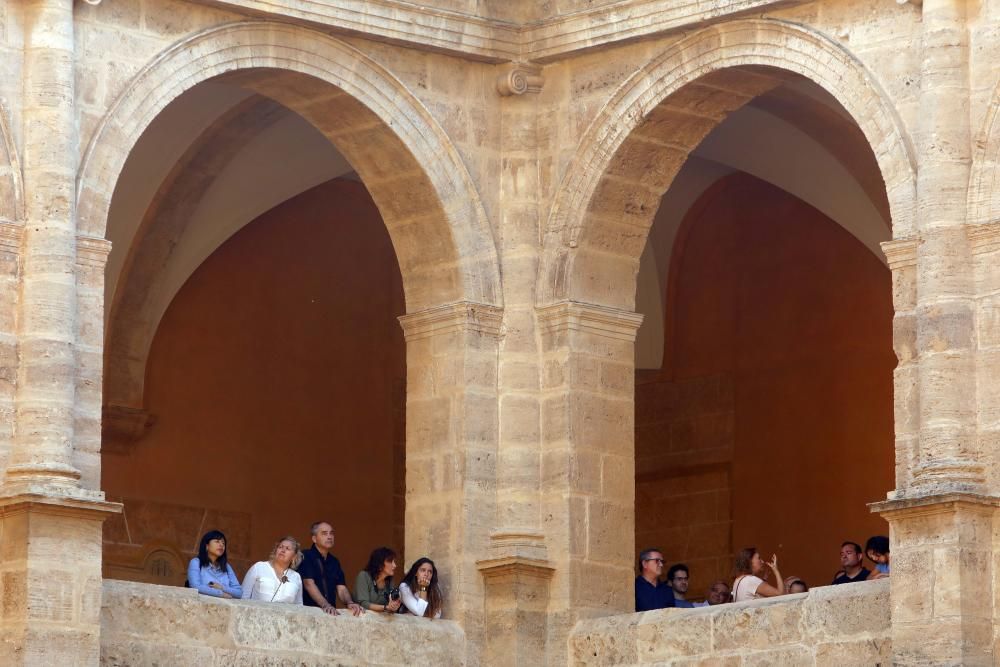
x=373, y=585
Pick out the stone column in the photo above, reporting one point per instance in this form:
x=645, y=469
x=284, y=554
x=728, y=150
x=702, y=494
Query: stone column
x=451, y=451
x=588, y=463
x=50, y=525
x=939, y=516
x=46, y=384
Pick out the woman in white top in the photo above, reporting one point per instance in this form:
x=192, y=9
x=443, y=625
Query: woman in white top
x=751, y=571
x=420, y=592
x=275, y=580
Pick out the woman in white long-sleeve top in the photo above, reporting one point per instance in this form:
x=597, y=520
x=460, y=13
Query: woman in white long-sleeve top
x=275, y=580
x=419, y=592
x=209, y=572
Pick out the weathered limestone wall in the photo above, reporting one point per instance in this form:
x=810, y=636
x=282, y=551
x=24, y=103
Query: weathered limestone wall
x=143, y=624
x=829, y=626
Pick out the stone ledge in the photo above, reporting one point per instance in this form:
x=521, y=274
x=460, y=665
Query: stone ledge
x=829, y=622
x=163, y=624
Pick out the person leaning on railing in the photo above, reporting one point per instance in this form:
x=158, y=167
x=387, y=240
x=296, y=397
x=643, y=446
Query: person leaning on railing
x=420, y=592
x=275, y=579
x=210, y=572
x=373, y=586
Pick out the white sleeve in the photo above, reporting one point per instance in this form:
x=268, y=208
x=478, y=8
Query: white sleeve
x=298, y=588
x=416, y=606
x=753, y=582
x=249, y=582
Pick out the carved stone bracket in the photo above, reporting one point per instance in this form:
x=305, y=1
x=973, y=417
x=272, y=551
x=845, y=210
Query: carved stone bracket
x=122, y=428
x=464, y=316
x=901, y=253
x=519, y=78
x=516, y=567
x=588, y=318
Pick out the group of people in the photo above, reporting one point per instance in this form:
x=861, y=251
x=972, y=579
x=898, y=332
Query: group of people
x=315, y=578
x=751, y=576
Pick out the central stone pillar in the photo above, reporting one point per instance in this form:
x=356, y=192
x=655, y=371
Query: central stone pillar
x=940, y=515
x=588, y=463
x=50, y=521
x=451, y=451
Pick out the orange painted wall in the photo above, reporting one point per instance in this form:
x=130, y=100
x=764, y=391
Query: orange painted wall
x=791, y=317
x=271, y=380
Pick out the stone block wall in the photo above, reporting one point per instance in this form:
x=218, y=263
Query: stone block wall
x=143, y=624
x=833, y=625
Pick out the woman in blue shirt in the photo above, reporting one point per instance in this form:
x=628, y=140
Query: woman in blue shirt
x=209, y=572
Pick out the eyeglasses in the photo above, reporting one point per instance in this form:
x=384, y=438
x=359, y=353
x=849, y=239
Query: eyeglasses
x=655, y=560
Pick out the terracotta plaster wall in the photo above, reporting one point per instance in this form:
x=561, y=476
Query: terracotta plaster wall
x=271, y=379
x=771, y=421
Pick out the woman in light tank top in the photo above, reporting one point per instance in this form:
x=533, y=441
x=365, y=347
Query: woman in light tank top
x=751, y=576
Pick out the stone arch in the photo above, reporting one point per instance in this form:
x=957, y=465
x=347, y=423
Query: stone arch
x=423, y=190
x=640, y=139
x=984, y=193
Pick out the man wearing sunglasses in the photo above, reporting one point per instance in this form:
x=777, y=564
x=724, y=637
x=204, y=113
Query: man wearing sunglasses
x=650, y=592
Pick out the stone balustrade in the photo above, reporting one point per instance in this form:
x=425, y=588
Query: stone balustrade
x=144, y=624
x=832, y=625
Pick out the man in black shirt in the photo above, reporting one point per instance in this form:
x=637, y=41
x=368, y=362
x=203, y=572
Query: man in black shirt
x=650, y=592
x=851, y=558
x=322, y=576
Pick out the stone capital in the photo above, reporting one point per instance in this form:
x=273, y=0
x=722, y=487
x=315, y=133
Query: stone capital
x=520, y=78
x=460, y=317
x=901, y=253
x=92, y=251
x=11, y=235
x=588, y=318
x=984, y=238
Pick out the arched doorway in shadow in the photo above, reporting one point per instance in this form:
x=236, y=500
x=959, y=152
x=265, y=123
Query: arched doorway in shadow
x=374, y=132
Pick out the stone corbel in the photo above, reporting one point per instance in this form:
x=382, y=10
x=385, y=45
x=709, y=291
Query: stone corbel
x=520, y=78
x=122, y=428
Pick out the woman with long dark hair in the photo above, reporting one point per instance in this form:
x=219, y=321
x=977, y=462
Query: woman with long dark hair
x=275, y=579
x=373, y=586
x=210, y=572
x=751, y=575
x=420, y=591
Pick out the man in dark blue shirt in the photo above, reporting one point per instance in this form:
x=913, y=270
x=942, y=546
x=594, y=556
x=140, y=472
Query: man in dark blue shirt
x=322, y=577
x=650, y=592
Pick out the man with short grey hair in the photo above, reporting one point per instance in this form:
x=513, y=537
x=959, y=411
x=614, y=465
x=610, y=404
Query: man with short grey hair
x=322, y=576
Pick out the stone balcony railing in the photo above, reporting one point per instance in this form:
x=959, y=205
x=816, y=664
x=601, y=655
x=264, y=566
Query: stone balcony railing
x=830, y=626
x=143, y=624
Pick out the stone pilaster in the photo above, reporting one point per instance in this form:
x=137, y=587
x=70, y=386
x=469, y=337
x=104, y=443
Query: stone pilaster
x=451, y=450
x=902, y=258
x=10, y=250
x=588, y=462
